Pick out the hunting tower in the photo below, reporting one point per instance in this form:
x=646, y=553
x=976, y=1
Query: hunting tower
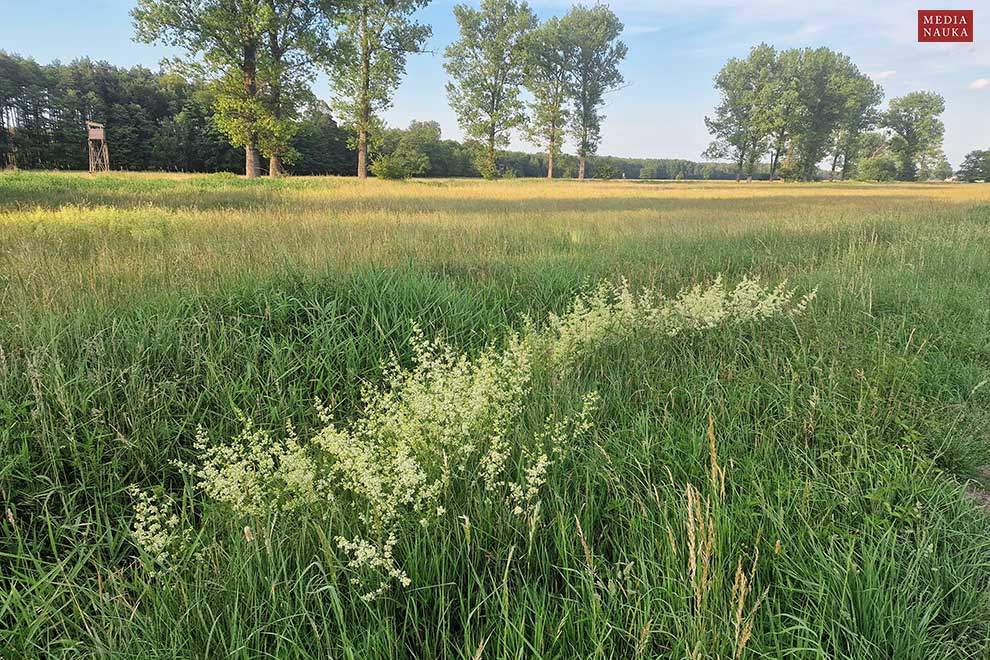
x=99, y=155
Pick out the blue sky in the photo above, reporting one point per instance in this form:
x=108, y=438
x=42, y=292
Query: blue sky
x=675, y=48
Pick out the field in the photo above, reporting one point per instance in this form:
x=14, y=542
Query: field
x=324, y=418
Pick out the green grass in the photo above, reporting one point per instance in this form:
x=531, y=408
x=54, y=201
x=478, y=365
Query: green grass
x=135, y=308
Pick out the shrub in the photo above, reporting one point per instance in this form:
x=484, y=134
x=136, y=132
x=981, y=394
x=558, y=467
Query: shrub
x=789, y=172
x=877, y=168
x=606, y=171
x=405, y=162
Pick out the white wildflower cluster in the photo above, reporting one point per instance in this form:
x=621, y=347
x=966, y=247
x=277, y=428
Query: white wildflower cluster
x=448, y=428
x=379, y=558
x=256, y=474
x=156, y=528
x=612, y=312
x=446, y=419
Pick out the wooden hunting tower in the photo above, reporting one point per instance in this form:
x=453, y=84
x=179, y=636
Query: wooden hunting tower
x=99, y=155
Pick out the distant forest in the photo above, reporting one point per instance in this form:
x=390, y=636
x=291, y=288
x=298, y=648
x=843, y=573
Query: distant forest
x=163, y=122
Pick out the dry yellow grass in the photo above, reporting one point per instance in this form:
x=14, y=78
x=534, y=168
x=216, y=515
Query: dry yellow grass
x=70, y=233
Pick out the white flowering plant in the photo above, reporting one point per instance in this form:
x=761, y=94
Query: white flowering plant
x=440, y=434
x=610, y=313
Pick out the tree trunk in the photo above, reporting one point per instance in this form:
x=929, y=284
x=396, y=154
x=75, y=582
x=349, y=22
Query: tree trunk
x=364, y=119
x=845, y=166
x=492, y=161
x=550, y=149
x=835, y=163
x=581, y=169
x=491, y=164
x=252, y=162
x=362, y=153
x=277, y=53
x=275, y=159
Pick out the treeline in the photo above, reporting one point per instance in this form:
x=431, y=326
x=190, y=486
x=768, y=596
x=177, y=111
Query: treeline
x=798, y=108
x=419, y=150
x=159, y=122
x=975, y=166
x=257, y=59
x=166, y=122
x=156, y=121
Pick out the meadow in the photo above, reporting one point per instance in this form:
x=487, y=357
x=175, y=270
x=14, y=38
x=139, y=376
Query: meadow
x=318, y=417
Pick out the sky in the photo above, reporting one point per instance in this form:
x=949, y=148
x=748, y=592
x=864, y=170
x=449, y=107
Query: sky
x=675, y=49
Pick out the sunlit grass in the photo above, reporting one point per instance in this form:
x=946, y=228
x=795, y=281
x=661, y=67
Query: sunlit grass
x=834, y=444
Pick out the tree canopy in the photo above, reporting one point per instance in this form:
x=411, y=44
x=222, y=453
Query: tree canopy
x=486, y=66
x=595, y=32
x=379, y=34
x=801, y=107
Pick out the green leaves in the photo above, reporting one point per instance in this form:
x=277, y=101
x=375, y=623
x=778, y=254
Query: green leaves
x=595, y=32
x=376, y=37
x=976, y=166
x=549, y=76
x=486, y=67
x=914, y=119
x=259, y=52
x=802, y=104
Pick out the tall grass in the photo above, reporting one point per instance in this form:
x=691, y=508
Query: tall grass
x=782, y=487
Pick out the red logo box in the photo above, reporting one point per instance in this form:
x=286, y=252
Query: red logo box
x=945, y=25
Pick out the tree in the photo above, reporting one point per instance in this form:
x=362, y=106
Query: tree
x=934, y=169
x=321, y=144
x=857, y=114
x=761, y=92
x=739, y=129
x=595, y=32
x=379, y=35
x=913, y=119
x=779, y=105
x=800, y=105
x=607, y=171
x=296, y=35
x=486, y=65
x=976, y=166
x=407, y=160
x=550, y=53
x=825, y=83
x=228, y=34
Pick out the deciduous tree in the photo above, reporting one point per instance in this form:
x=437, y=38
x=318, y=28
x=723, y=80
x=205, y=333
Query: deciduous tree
x=858, y=114
x=976, y=166
x=297, y=35
x=595, y=32
x=486, y=65
x=913, y=119
x=379, y=34
x=550, y=58
x=739, y=128
x=228, y=34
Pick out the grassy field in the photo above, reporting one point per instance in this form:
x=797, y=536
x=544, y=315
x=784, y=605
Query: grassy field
x=325, y=418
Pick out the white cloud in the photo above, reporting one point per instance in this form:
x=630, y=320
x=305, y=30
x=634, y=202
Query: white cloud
x=980, y=83
x=640, y=29
x=883, y=75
